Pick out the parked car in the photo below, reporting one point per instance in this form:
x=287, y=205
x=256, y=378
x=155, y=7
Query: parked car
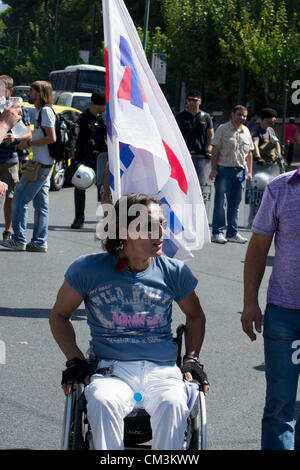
x=21, y=91
x=76, y=100
x=59, y=168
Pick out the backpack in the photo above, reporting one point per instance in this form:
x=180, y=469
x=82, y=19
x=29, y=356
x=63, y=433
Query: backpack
x=267, y=150
x=66, y=137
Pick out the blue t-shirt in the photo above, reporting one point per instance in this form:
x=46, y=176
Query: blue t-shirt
x=130, y=316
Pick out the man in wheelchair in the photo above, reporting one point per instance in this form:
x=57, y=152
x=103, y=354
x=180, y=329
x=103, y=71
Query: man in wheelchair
x=128, y=293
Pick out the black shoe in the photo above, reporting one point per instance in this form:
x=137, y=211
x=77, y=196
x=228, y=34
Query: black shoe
x=77, y=224
x=7, y=235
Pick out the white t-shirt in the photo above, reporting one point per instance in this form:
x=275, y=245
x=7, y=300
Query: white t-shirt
x=41, y=153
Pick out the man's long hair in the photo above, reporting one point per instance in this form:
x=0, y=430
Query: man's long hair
x=114, y=244
x=45, y=90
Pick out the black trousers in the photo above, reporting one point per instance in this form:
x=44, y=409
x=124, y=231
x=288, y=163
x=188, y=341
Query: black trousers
x=289, y=153
x=79, y=198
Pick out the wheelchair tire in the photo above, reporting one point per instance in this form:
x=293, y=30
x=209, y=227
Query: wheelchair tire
x=77, y=435
x=198, y=438
x=73, y=437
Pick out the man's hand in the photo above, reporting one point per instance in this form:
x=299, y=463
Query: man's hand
x=78, y=370
x=23, y=145
x=249, y=176
x=3, y=188
x=213, y=174
x=9, y=139
x=251, y=316
x=192, y=370
x=10, y=116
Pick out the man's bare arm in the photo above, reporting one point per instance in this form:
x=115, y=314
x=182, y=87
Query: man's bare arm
x=214, y=162
x=195, y=331
x=68, y=300
x=254, y=269
x=195, y=323
x=210, y=135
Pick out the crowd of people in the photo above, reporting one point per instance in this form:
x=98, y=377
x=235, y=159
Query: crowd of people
x=235, y=145
x=34, y=184
x=230, y=150
x=129, y=288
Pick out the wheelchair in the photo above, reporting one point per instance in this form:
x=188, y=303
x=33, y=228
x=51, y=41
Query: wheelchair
x=77, y=435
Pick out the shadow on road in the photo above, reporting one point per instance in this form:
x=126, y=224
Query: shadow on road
x=36, y=313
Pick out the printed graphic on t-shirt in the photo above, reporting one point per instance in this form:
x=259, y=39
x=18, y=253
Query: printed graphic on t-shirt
x=132, y=311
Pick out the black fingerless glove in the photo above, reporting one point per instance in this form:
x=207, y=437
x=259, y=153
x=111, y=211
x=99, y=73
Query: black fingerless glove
x=77, y=370
x=197, y=371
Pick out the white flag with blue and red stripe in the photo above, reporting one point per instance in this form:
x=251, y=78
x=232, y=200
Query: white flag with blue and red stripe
x=151, y=152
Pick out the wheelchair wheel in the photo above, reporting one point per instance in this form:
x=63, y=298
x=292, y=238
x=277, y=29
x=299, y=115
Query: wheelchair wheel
x=78, y=426
x=67, y=422
x=198, y=438
x=74, y=435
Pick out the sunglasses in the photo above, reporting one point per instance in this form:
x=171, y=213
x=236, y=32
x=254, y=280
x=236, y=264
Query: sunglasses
x=154, y=225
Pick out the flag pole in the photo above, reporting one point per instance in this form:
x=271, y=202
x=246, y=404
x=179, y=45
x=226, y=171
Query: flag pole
x=146, y=21
x=117, y=177
x=115, y=141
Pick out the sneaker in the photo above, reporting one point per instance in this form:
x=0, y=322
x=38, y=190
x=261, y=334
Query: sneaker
x=33, y=247
x=218, y=238
x=237, y=239
x=77, y=224
x=7, y=235
x=12, y=244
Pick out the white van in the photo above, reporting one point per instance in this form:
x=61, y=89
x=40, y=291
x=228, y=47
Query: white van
x=76, y=100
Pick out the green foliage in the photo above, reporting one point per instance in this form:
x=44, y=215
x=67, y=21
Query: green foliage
x=208, y=42
x=268, y=47
x=213, y=40
x=37, y=40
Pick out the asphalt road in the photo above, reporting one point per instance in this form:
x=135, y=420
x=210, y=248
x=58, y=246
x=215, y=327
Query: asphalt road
x=31, y=400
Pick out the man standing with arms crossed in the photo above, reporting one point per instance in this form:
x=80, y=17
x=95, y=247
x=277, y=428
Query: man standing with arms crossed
x=278, y=215
x=232, y=148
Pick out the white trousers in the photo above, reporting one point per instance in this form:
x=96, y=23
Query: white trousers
x=110, y=400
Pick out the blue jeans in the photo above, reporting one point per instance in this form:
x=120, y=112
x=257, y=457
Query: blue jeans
x=229, y=184
x=282, y=360
x=202, y=167
x=102, y=160
x=38, y=192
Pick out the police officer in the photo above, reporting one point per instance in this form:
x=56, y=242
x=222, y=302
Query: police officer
x=197, y=129
x=91, y=141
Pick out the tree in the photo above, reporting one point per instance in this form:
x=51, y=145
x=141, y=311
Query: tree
x=268, y=45
x=42, y=40
x=212, y=41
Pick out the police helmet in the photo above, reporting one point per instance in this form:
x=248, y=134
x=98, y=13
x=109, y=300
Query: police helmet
x=260, y=181
x=84, y=177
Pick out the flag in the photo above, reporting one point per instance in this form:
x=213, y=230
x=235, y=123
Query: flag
x=147, y=153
